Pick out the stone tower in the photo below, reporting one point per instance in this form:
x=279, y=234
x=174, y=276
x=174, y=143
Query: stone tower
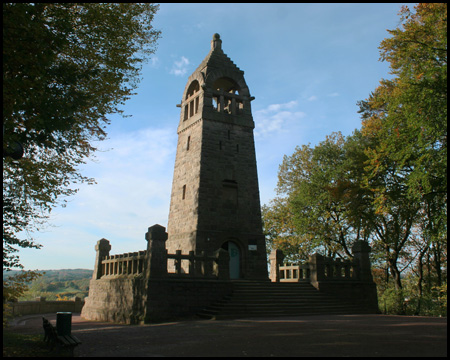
x=215, y=195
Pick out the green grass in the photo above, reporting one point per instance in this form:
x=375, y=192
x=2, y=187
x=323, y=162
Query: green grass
x=27, y=345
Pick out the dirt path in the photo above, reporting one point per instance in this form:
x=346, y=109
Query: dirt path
x=325, y=335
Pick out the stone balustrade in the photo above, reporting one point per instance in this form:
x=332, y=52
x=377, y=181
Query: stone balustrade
x=153, y=262
x=200, y=265
x=124, y=264
x=324, y=269
x=339, y=269
x=294, y=273
x=321, y=268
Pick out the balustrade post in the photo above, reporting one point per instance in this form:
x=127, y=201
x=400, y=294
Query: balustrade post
x=338, y=268
x=178, y=262
x=317, y=267
x=102, y=250
x=347, y=270
x=191, y=263
x=205, y=267
x=156, y=263
x=276, y=259
x=361, y=250
x=222, y=266
x=115, y=265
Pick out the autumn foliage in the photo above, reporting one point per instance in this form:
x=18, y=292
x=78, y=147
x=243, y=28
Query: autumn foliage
x=387, y=182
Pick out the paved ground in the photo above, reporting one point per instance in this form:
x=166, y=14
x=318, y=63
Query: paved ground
x=324, y=335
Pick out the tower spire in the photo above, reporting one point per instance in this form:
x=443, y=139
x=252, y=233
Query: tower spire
x=216, y=43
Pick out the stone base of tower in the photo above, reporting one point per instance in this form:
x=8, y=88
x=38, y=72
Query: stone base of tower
x=250, y=248
x=129, y=300
x=248, y=251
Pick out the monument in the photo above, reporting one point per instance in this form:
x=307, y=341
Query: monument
x=214, y=246
x=215, y=195
x=214, y=229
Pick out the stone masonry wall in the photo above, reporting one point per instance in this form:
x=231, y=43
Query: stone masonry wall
x=115, y=299
x=184, y=198
x=43, y=306
x=121, y=299
x=169, y=299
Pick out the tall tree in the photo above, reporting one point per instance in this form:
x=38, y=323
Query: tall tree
x=406, y=120
x=66, y=68
x=320, y=194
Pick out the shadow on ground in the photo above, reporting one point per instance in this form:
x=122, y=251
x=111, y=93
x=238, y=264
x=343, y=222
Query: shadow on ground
x=324, y=335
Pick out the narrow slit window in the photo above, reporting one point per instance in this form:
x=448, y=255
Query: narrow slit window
x=188, y=143
x=191, y=108
x=184, y=192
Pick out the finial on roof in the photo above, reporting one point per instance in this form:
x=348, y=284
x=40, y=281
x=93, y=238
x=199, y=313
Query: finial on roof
x=216, y=43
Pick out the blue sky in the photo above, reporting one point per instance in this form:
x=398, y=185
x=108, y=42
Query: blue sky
x=306, y=64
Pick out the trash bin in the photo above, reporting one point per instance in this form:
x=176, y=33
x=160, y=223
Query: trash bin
x=63, y=323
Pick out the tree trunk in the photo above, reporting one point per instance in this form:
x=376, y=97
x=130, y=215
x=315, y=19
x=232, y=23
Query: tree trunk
x=395, y=274
x=437, y=262
x=420, y=279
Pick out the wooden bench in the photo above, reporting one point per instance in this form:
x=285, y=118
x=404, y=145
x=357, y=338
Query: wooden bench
x=51, y=337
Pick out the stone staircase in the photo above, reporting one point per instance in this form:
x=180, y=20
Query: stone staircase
x=255, y=299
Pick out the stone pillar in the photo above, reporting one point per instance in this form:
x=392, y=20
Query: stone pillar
x=216, y=42
x=222, y=266
x=156, y=264
x=361, y=250
x=102, y=248
x=317, y=268
x=276, y=259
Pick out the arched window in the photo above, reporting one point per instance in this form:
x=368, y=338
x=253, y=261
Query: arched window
x=193, y=89
x=192, y=100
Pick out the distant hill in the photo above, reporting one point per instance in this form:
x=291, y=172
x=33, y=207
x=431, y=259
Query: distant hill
x=57, y=284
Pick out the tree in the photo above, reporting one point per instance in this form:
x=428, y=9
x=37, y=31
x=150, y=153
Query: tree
x=281, y=232
x=405, y=119
x=330, y=202
x=385, y=184
x=319, y=209
x=66, y=67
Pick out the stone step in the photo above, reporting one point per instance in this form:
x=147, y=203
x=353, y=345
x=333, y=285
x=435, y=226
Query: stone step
x=251, y=299
x=211, y=314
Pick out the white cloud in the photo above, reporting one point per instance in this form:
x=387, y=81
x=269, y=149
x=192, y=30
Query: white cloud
x=333, y=94
x=134, y=180
x=179, y=68
x=276, y=118
x=154, y=61
x=278, y=107
x=312, y=98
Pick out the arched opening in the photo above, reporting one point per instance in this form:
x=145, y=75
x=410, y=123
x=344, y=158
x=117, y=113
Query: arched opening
x=193, y=88
x=192, y=100
x=235, y=259
x=226, y=97
x=227, y=85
